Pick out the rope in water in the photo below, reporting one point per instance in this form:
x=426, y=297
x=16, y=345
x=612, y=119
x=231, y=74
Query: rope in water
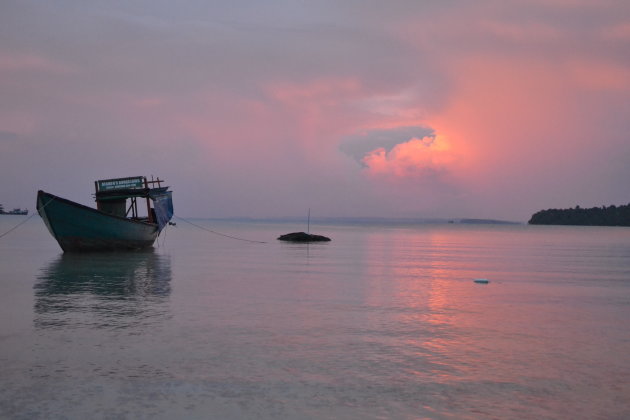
x=218, y=233
x=26, y=220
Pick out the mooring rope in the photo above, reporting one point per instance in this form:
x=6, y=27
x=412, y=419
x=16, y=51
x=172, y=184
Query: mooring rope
x=218, y=233
x=27, y=219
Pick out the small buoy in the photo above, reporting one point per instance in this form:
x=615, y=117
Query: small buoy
x=482, y=281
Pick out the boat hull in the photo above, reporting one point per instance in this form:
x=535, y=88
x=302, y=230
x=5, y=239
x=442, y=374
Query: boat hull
x=78, y=228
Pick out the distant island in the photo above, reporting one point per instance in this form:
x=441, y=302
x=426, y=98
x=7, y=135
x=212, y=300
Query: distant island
x=487, y=222
x=595, y=216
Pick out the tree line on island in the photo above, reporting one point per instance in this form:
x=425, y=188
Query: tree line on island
x=595, y=216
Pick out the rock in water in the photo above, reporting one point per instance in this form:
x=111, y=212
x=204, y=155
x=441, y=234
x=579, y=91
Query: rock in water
x=303, y=237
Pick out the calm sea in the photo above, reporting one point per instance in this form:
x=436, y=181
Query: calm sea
x=384, y=322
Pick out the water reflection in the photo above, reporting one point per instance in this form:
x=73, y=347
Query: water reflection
x=424, y=283
x=104, y=290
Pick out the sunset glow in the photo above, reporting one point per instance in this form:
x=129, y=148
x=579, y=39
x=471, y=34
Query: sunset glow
x=398, y=110
x=414, y=159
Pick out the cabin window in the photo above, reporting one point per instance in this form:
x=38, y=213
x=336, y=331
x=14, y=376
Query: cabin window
x=115, y=207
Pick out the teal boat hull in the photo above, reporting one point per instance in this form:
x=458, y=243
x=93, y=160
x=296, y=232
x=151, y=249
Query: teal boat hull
x=78, y=228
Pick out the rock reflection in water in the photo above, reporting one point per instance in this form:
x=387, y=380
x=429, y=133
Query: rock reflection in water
x=104, y=290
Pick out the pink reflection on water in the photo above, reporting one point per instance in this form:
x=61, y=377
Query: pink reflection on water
x=444, y=326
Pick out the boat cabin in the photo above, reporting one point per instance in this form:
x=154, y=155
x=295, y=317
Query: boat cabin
x=119, y=197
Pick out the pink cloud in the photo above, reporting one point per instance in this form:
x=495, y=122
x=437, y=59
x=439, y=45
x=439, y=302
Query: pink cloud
x=520, y=32
x=600, y=75
x=321, y=91
x=416, y=158
x=32, y=62
x=617, y=32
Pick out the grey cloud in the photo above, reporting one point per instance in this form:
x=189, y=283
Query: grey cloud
x=8, y=137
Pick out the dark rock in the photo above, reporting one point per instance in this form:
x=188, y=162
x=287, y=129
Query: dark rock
x=303, y=237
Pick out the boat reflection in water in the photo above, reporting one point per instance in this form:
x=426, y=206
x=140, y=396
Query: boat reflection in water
x=103, y=290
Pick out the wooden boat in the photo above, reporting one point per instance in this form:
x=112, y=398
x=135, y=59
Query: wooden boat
x=116, y=223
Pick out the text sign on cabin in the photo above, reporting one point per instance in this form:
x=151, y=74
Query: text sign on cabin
x=120, y=183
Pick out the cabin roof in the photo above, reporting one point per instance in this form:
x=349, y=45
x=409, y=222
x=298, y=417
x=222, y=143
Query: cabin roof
x=129, y=187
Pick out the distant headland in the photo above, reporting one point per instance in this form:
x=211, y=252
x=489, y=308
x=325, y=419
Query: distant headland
x=595, y=216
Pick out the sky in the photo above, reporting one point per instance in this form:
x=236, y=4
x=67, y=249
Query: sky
x=402, y=108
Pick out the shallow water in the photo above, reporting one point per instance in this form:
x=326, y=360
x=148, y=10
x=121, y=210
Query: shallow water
x=382, y=322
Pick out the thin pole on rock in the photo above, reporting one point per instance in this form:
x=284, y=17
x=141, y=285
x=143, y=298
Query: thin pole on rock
x=308, y=226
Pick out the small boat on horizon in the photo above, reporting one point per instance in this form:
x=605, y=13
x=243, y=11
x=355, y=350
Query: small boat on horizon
x=15, y=211
x=116, y=224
